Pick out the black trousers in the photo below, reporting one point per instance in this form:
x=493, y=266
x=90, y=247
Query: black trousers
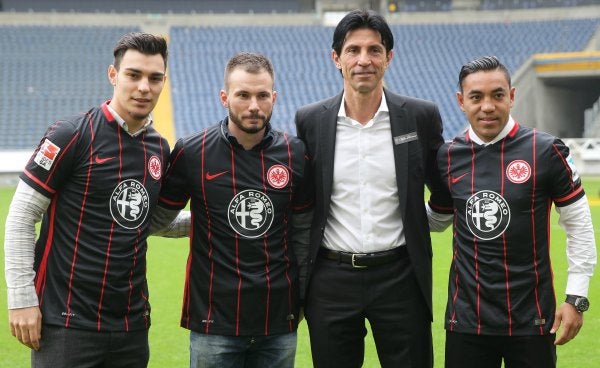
x=339, y=300
x=484, y=351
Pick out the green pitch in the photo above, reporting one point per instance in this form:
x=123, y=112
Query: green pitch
x=166, y=272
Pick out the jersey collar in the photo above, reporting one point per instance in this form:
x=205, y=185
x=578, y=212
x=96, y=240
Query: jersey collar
x=112, y=115
x=509, y=130
x=267, y=139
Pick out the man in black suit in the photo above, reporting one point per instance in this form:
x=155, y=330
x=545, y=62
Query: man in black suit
x=370, y=252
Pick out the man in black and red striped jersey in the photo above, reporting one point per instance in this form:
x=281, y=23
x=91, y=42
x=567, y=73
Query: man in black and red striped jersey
x=504, y=177
x=78, y=296
x=246, y=185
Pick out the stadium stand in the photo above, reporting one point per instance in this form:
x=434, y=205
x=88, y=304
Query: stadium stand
x=426, y=62
x=155, y=6
x=48, y=73
x=50, y=70
x=532, y=4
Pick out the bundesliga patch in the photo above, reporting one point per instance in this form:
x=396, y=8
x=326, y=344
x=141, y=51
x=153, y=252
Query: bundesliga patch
x=129, y=204
x=278, y=176
x=250, y=213
x=487, y=214
x=155, y=167
x=518, y=171
x=46, y=155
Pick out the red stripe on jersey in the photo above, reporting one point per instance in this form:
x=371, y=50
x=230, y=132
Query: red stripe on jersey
x=208, y=235
x=448, y=165
x=107, y=258
x=38, y=182
x=455, y=296
x=145, y=167
x=135, y=248
x=170, y=169
x=285, y=231
x=514, y=130
x=112, y=229
x=40, y=281
x=106, y=111
x=548, y=210
x=237, y=254
x=266, y=248
x=534, y=233
x=475, y=245
x=185, y=313
x=567, y=197
x=504, y=245
x=565, y=164
x=577, y=190
x=79, y=224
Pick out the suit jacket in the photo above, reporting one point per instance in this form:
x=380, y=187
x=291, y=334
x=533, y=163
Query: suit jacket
x=416, y=136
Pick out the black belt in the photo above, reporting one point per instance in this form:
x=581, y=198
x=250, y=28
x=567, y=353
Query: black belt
x=364, y=260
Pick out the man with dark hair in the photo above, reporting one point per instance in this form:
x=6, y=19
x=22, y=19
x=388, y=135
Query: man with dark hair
x=95, y=178
x=503, y=178
x=246, y=185
x=372, y=152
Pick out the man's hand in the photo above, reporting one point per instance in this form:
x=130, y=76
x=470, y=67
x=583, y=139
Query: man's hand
x=26, y=326
x=571, y=321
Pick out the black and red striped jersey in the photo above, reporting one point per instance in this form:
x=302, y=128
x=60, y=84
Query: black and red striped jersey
x=501, y=280
x=242, y=277
x=90, y=258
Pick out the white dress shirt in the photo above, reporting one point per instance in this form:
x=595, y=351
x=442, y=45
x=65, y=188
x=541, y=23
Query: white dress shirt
x=364, y=215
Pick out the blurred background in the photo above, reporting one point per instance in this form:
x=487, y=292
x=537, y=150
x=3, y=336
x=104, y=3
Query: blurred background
x=54, y=56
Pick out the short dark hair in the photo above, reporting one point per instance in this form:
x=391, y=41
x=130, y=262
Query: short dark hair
x=250, y=62
x=146, y=43
x=486, y=63
x=362, y=18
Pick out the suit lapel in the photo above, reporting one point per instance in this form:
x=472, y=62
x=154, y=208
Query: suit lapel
x=400, y=129
x=327, y=133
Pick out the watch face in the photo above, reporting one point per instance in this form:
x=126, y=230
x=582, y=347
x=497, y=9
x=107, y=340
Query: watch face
x=582, y=304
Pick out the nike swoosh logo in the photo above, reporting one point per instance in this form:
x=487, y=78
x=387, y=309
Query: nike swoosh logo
x=102, y=160
x=214, y=176
x=455, y=179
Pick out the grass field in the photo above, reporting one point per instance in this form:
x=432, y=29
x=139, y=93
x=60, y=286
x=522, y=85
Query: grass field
x=169, y=342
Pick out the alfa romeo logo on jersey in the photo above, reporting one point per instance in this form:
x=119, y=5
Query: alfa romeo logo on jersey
x=129, y=204
x=155, y=167
x=518, y=171
x=250, y=213
x=487, y=214
x=278, y=176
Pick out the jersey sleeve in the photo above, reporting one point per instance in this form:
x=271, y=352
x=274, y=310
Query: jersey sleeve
x=566, y=183
x=174, y=193
x=51, y=162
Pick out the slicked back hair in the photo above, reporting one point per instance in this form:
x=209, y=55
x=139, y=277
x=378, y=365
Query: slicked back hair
x=483, y=64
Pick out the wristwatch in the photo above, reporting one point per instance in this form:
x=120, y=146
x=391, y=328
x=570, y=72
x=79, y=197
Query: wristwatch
x=580, y=303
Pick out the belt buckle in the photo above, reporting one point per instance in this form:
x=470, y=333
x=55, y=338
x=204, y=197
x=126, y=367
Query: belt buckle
x=354, y=265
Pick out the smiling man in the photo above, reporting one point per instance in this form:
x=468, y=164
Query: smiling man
x=95, y=178
x=370, y=253
x=503, y=178
x=245, y=181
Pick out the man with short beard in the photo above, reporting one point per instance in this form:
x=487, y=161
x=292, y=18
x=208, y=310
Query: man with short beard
x=246, y=182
